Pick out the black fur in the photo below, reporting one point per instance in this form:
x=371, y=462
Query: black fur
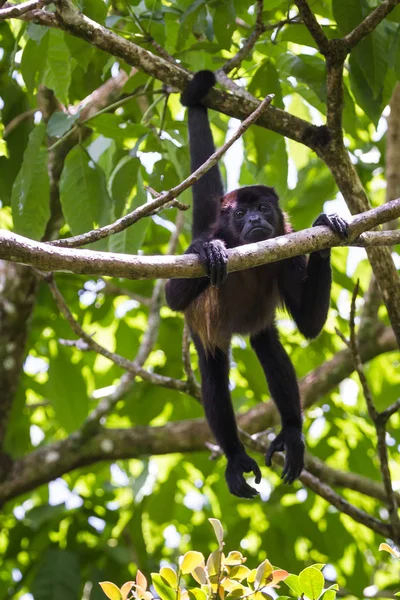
x=221, y=304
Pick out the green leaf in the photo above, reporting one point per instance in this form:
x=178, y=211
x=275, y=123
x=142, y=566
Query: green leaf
x=110, y=590
x=84, y=199
x=214, y=563
x=224, y=23
x=33, y=62
x=30, y=198
x=311, y=582
x=191, y=561
x=66, y=389
x=58, y=576
x=57, y=76
x=162, y=589
x=60, y=122
x=330, y=593
x=293, y=584
x=130, y=240
x=197, y=594
x=170, y=576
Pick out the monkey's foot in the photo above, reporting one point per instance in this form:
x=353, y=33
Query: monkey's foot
x=291, y=440
x=237, y=465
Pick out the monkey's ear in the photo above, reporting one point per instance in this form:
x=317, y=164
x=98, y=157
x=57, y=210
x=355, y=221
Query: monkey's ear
x=287, y=226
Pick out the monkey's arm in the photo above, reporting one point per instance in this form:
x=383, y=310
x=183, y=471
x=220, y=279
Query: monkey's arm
x=282, y=384
x=212, y=254
x=209, y=189
x=306, y=286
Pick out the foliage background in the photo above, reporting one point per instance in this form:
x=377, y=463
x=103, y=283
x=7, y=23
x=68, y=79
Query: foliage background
x=104, y=521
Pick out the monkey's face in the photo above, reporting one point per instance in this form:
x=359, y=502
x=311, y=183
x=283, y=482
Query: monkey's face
x=255, y=221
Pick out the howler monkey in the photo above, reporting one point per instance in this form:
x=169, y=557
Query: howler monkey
x=244, y=302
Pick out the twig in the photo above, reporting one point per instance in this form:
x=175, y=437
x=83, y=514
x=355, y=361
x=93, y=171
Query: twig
x=313, y=26
x=324, y=490
x=14, y=12
x=379, y=424
x=369, y=23
x=248, y=45
x=11, y=125
x=149, y=207
x=119, y=360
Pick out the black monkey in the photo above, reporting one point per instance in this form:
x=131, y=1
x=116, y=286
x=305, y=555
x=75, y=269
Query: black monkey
x=244, y=302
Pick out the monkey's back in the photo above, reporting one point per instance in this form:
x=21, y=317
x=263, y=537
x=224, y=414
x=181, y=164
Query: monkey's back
x=245, y=304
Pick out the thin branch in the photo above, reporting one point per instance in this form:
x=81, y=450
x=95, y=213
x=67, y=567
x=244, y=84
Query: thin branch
x=14, y=12
x=187, y=365
x=119, y=360
x=379, y=424
x=370, y=23
x=71, y=20
x=16, y=248
x=44, y=464
x=162, y=199
x=313, y=26
x=248, y=45
x=352, y=481
x=389, y=412
x=11, y=125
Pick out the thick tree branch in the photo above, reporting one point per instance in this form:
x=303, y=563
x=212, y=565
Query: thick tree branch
x=380, y=425
x=52, y=461
x=71, y=20
x=370, y=23
x=48, y=258
x=313, y=26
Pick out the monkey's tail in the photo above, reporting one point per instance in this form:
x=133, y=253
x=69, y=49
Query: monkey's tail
x=198, y=88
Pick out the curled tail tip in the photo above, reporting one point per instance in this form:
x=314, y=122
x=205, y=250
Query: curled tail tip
x=198, y=88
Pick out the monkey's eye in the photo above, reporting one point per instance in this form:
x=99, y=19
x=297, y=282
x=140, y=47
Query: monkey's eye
x=263, y=208
x=239, y=213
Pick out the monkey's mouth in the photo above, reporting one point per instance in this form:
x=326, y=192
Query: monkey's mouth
x=256, y=234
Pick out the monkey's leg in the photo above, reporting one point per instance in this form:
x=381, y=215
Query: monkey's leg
x=282, y=384
x=217, y=403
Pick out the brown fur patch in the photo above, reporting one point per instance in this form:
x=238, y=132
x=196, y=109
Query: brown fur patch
x=203, y=316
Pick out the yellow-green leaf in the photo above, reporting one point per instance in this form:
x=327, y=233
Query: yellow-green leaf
x=126, y=588
x=218, y=530
x=111, y=590
x=190, y=561
x=200, y=575
x=234, y=558
x=214, y=563
x=162, y=589
x=239, y=573
x=389, y=549
x=141, y=580
x=197, y=594
x=170, y=576
x=263, y=574
x=311, y=582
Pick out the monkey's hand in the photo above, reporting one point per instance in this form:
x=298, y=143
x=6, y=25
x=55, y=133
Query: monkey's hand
x=291, y=440
x=335, y=224
x=213, y=257
x=237, y=465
